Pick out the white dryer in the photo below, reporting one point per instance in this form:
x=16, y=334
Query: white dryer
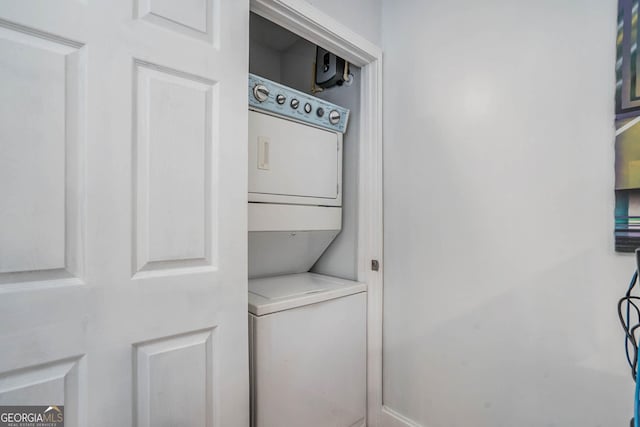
x=307, y=334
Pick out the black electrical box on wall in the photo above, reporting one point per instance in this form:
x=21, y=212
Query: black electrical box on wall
x=329, y=69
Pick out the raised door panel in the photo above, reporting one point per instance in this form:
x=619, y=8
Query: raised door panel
x=60, y=383
x=41, y=122
x=194, y=18
x=174, y=210
x=174, y=381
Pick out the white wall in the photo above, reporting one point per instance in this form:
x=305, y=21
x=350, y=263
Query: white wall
x=501, y=281
x=361, y=16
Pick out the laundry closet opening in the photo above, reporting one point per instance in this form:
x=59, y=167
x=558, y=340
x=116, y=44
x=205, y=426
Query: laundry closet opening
x=307, y=311
x=286, y=58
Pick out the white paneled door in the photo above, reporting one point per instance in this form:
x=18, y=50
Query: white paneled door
x=123, y=127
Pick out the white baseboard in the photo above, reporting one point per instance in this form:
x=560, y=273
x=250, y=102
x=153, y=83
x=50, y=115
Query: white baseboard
x=391, y=418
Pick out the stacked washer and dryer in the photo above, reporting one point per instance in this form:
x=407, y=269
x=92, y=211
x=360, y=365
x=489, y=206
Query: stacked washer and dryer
x=307, y=331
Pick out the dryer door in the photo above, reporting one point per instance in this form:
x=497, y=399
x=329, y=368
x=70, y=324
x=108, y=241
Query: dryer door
x=291, y=162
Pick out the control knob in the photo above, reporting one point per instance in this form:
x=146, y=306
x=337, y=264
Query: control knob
x=307, y=108
x=320, y=112
x=295, y=104
x=334, y=117
x=260, y=92
x=280, y=98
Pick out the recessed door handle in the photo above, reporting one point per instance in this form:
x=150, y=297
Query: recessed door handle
x=263, y=153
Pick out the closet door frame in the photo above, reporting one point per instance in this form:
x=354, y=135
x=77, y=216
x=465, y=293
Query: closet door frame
x=308, y=22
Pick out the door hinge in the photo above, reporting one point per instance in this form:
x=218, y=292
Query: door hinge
x=375, y=265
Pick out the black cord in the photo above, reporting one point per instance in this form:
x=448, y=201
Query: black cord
x=629, y=328
x=629, y=337
x=633, y=340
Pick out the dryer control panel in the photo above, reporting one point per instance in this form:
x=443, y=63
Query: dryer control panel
x=273, y=97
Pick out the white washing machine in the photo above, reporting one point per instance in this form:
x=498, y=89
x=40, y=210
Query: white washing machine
x=307, y=331
x=308, y=345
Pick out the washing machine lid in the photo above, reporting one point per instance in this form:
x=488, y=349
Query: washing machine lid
x=272, y=294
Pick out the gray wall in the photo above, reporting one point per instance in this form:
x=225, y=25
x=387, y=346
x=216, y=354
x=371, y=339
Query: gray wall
x=261, y=61
x=500, y=277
